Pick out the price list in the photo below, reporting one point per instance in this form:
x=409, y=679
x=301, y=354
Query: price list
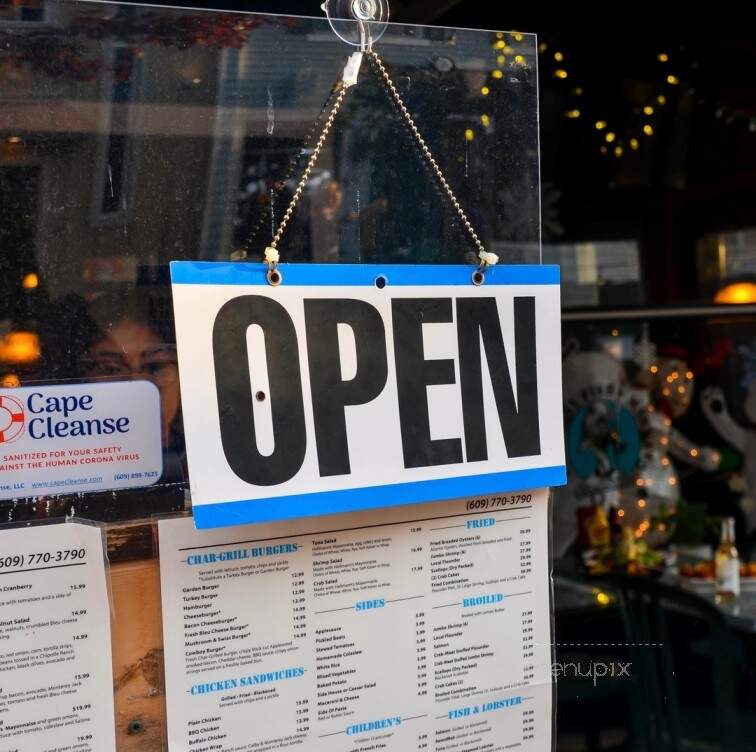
x=55, y=653
x=419, y=628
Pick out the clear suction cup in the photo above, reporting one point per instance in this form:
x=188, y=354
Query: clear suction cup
x=360, y=23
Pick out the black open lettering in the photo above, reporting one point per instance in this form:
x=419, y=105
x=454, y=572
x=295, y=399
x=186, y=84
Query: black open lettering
x=479, y=317
x=235, y=399
x=414, y=374
x=330, y=392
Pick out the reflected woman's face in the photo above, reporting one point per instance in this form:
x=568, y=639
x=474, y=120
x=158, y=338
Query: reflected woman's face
x=132, y=350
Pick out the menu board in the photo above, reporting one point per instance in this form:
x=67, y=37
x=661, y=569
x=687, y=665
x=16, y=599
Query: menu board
x=56, y=681
x=423, y=627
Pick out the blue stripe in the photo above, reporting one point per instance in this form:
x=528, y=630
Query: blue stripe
x=339, y=275
x=227, y=513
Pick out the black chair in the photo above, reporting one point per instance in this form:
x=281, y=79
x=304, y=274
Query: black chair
x=650, y=611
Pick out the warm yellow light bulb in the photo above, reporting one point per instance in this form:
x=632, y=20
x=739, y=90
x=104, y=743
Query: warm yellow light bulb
x=662, y=57
x=572, y=114
x=672, y=80
x=517, y=36
x=648, y=110
x=634, y=144
x=618, y=151
x=560, y=73
x=737, y=293
x=603, y=599
x=469, y=134
x=485, y=91
x=542, y=47
x=30, y=281
x=648, y=129
x=500, y=45
x=558, y=56
x=485, y=120
x=610, y=137
x=501, y=60
x=519, y=59
x=497, y=74
x=661, y=99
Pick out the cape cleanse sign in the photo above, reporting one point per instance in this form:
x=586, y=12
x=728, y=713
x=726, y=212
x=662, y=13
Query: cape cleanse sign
x=79, y=437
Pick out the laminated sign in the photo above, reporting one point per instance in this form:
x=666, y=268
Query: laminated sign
x=355, y=387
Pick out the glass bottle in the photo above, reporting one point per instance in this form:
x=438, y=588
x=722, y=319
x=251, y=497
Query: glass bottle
x=727, y=564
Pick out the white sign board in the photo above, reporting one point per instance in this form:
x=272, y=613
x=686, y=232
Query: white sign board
x=55, y=657
x=417, y=628
x=79, y=437
x=354, y=387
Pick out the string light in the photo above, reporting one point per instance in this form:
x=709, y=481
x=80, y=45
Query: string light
x=618, y=151
x=648, y=110
x=485, y=91
x=661, y=99
x=469, y=134
x=517, y=36
x=663, y=57
x=500, y=35
x=603, y=599
x=558, y=56
x=634, y=144
x=485, y=120
x=500, y=45
x=14, y=139
x=642, y=503
x=648, y=129
x=600, y=125
x=610, y=137
x=603, y=149
x=620, y=513
x=577, y=91
x=497, y=74
x=572, y=114
x=560, y=73
x=519, y=59
x=672, y=80
x=542, y=47
x=501, y=60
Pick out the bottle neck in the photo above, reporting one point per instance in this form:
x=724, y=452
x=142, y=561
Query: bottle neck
x=727, y=536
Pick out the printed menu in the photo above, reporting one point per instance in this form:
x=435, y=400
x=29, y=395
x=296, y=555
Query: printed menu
x=56, y=681
x=415, y=628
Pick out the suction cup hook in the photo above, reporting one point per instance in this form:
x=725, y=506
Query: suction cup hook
x=360, y=23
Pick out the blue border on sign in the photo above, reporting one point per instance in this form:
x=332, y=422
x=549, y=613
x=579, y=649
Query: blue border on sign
x=228, y=513
x=342, y=275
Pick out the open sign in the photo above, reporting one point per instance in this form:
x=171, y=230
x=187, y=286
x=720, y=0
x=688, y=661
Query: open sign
x=331, y=393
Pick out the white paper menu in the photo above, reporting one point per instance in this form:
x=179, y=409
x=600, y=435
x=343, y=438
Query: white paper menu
x=417, y=628
x=56, y=680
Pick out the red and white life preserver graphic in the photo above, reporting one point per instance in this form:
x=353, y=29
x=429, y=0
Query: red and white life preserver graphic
x=12, y=419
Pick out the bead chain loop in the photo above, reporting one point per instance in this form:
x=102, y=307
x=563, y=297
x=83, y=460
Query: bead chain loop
x=378, y=63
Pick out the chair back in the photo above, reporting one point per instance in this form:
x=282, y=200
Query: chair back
x=648, y=610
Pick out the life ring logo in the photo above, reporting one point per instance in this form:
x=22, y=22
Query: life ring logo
x=12, y=419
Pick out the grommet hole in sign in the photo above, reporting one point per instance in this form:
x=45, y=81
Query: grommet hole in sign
x=260, y=396
x=381, y=282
